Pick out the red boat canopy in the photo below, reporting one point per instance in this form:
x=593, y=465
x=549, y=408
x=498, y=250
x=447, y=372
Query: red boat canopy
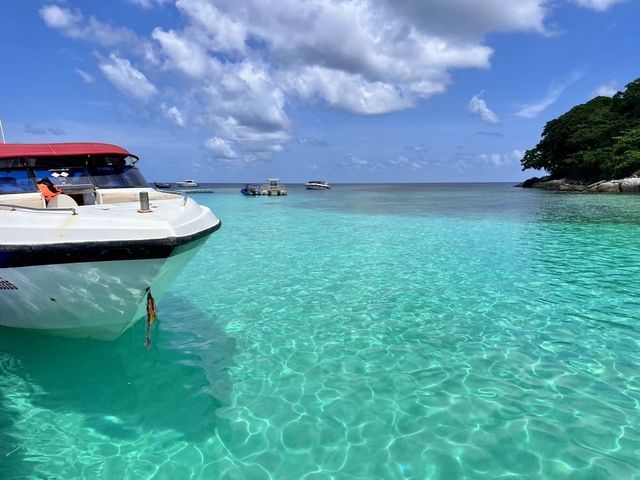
x=21, y=150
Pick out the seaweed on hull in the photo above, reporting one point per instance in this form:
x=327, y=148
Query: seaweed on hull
x=591, y=145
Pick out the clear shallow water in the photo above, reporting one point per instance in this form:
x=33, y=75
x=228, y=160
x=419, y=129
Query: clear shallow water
x=434, y=331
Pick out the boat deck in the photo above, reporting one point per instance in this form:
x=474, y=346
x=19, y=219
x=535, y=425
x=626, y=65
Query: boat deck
x=188, y=191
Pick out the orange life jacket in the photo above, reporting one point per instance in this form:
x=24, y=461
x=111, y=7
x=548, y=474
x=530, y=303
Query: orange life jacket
x=47, y=193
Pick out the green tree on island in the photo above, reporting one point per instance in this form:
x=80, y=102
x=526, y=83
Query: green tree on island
x=598, y=140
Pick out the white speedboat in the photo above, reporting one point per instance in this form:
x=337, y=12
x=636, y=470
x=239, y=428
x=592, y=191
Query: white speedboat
x=317, y=185
x=188, y=184
x=81, y=248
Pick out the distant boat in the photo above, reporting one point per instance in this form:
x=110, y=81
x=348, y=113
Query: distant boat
x=317, y=185
x=250, y=190
x=162, y=185
x=274, y=187
x=188, y=184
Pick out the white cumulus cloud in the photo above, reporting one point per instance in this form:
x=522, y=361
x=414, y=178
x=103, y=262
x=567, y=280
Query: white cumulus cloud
x=147, y=4
x=473, y=18
x=184, y=55
x=73, y=24
x=608, y=89
x=502, y=159
x=174, y=114
x=220, y=148
x=127, y=78
x=479, y=107
x=599, y=5
x=62, y=19
x=239, y=65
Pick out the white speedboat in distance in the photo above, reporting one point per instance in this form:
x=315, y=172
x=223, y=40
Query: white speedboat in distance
x=188, y=184
x=317, y=185
x=80, y=245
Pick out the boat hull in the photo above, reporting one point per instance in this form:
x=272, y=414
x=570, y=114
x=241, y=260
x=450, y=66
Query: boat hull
x=317, y=186
x=87, y=299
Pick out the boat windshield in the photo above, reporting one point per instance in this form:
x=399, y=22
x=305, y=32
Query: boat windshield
x=72, y=176
x=118, y=176
x=107, y=173
x=16, y=180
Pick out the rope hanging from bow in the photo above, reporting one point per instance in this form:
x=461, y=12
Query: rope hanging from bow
x=151, y=317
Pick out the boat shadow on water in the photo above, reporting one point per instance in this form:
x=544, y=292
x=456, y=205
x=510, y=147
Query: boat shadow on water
x=118, y=389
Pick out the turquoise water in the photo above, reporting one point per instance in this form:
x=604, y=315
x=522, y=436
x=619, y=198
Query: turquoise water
x=373, y=332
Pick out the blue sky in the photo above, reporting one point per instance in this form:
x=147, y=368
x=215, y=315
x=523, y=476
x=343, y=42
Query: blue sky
x=348, y=91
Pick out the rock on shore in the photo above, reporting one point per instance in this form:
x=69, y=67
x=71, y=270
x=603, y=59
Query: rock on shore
x=623, y=185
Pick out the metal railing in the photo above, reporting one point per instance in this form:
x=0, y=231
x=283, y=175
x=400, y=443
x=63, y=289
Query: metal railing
x=5, y=206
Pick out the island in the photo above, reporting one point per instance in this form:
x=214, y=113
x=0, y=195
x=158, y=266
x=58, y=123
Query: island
x=594, y=147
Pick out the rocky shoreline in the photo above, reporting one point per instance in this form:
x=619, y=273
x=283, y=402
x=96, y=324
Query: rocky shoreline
x=623, y=185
